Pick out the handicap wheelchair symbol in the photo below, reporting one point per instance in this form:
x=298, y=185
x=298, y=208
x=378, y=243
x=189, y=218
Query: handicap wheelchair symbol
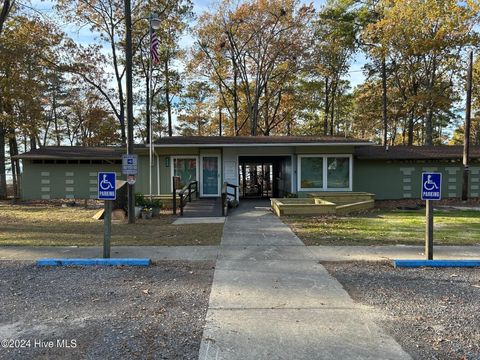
x=105, y=184
x=430, y=185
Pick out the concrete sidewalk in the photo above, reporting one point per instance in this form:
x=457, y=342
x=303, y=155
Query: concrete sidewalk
x=244, y=252
x=279, y=303
x=152, y=252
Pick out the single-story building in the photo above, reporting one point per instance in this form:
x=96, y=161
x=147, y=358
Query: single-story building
x=274, y=166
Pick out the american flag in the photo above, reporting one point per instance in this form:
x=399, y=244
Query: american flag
x=154, y=42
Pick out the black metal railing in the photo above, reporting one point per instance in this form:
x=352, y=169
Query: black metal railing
x=225, y=195
x=184, y=194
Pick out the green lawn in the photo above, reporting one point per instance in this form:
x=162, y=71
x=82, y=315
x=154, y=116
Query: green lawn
x=381, y=227
x=58, y=226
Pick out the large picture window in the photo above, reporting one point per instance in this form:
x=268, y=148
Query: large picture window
x=324, y=172
x=311, y=169
x=185, y=168
x=338, y=173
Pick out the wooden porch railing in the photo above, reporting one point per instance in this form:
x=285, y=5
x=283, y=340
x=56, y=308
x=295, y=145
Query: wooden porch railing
x=225, y=194
x=185, y=193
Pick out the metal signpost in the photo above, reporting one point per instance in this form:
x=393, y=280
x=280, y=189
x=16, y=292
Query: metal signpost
x=431, y=191
x=130, y=168
x=107, y=192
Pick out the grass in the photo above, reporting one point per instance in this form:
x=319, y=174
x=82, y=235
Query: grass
x=388, y=227
x=34, y=225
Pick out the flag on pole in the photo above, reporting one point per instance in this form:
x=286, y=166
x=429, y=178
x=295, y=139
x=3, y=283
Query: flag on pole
x=154, y=42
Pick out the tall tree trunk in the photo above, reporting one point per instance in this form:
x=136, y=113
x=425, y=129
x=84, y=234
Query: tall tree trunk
x=4, y=11
x=235, y=102
x=33, y=142
x=15, y=165
x=410, y=127
x=384, y=102
x=3, y=169
x=332, y=110
x=325, y=121
x=55, y=120
x=220, y=111
x=429, y=117
x=167, y=98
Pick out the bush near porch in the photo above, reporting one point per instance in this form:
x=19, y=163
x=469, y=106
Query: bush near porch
x=388, y=227
x=47, y=224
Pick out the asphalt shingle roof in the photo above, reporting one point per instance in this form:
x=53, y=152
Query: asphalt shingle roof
x=366, y=151
x=73, y=152
x=447, y=152
x=245, y=140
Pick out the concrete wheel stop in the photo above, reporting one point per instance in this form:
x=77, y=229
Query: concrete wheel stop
x=435, y=263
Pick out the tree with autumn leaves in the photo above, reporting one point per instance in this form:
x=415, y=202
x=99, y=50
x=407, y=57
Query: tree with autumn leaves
x=256, y=67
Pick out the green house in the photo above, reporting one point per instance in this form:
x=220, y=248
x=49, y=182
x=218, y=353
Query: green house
x=262, y=167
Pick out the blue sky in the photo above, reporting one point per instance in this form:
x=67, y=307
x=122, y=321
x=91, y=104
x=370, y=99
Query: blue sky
x=85, y=36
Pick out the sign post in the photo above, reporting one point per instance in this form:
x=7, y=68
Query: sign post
x=107, y=192
x=130, y=167
x=431, y=191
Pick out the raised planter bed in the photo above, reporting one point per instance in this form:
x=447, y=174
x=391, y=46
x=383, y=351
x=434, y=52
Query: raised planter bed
x=338, y=203
x=305, y=206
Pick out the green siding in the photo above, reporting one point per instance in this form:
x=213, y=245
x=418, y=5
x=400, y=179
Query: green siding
x=58, y=181
x=401, y=180
x=385, y=179
x=142, y=184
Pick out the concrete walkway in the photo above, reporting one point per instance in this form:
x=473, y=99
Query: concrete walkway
x=187, y=253
x=265, y=252
x=280, y=303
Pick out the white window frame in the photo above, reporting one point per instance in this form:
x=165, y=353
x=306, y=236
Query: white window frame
x=325, y=172
x=172, y=167
x=299, y=173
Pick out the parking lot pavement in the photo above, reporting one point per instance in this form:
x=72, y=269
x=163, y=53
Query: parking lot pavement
x=103, y=312
x=432, y=313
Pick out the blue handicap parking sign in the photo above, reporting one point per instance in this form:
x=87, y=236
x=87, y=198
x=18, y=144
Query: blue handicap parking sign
x=106, y=186
x=431, y=186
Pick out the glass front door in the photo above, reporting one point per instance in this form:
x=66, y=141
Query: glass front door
x=210, y=176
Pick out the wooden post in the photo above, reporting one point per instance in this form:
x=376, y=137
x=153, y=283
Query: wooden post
x=181, y=202
x=466, y=141
x=429, y=231
x=107, y=228
x=174, y=200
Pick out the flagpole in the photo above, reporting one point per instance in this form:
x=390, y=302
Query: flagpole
x=150, y=69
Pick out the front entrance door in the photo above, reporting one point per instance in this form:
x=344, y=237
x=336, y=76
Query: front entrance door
x=210, y=176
